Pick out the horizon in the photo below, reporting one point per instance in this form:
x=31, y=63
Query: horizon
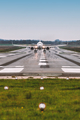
x=38, y=40
x=45, y=20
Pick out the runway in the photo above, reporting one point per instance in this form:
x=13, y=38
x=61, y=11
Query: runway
x=55, y=62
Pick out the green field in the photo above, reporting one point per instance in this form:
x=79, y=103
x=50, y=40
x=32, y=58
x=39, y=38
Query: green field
x=72, y=48
x=7, y=48
x=21, y=100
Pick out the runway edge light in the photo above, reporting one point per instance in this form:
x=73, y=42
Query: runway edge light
x=6, y=87
x=42, y=106
x=41, y=88
x=67, y=78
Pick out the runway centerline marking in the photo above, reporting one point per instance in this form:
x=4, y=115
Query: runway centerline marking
x=42, y=64
x=43, y=60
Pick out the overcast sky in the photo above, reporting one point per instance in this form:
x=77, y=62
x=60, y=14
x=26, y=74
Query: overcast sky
x=40, y=19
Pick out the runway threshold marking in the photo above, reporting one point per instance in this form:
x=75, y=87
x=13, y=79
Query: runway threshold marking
x=71, y=66
x=11, y=70
x=11, y=54
x=2, y=56
x=71, y=69
x=12, y=66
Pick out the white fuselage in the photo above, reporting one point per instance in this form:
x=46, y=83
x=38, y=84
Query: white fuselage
x=40, y=45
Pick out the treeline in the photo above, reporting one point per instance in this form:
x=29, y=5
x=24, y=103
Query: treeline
x=56, y=42
x=2, y=41
x=74, y=43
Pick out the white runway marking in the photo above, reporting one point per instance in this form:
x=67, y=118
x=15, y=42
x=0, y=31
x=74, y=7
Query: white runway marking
x=12, y=66
x=71, y=70
x=2, y=56
x=43, y=60
x=42, y=64
x=11, y=54
x=11, y=70
x=70, y=66
x=19, y=66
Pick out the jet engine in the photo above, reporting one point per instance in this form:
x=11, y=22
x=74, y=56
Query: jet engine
x=47, y=48
x=32, y=48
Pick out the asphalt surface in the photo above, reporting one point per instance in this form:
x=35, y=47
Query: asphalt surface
x=55, y=62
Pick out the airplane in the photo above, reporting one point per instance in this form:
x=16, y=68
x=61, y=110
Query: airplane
x=39, y=46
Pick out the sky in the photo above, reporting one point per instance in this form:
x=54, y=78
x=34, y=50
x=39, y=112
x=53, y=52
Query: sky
x=40, y=19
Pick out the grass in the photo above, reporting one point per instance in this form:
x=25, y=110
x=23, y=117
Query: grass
x=72, y=48
x=20, y=102
x=9, y=48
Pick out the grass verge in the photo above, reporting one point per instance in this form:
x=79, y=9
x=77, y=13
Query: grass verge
x=21, y=100
x=9, y=48
x=72, y=48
